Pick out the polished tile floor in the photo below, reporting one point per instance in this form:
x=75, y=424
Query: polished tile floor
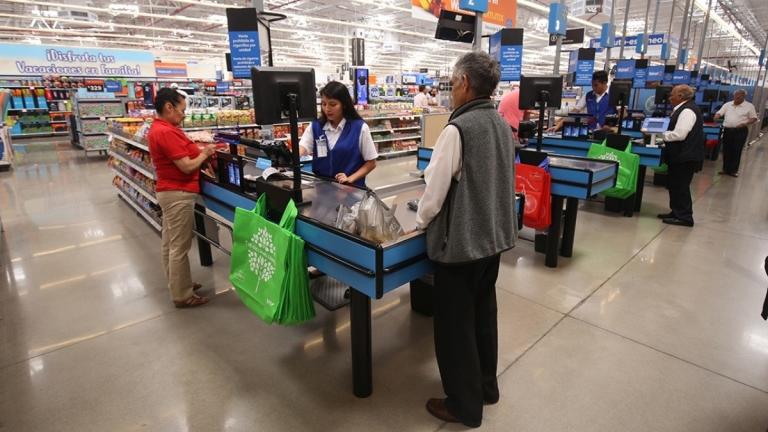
x=647, y=328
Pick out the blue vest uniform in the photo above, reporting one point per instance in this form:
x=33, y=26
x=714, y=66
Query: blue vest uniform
x=599, y=109
x=345, y=157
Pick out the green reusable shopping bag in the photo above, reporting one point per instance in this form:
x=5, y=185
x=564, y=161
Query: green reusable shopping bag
x=662, y=169
x=629, y=166
x=268, y=266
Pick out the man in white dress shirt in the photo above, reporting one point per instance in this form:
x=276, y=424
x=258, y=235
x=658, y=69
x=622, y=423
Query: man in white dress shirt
x=739, y=115
x=683, y=153
x=468, y=212
x=421, y=100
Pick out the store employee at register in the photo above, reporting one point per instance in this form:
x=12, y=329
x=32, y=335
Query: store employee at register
x=595, y=101
x=177, y=162
x=340, y=141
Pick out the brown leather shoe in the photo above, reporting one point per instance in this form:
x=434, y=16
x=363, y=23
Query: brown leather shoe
x=437, y=408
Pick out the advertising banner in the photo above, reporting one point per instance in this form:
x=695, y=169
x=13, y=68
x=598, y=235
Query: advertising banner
x=244, y=43
x=506, y=46
x=502, y=13
x=361, y=86
x=170, y=70
x=572, y=37
x=39, y=60
x=655, y=73
x=681, y=77
x=584, y=66
x=641, y=73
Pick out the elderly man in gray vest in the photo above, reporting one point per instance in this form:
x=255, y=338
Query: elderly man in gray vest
x=468, y=212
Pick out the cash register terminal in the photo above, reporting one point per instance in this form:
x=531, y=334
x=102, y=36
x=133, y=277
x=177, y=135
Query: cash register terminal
x=655, y=126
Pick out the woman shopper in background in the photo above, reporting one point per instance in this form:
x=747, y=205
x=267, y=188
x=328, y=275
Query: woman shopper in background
x=339, y=140
x=177, y=162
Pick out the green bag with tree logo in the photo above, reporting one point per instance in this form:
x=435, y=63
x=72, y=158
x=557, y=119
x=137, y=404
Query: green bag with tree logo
x=629, y=166
x=269, y=266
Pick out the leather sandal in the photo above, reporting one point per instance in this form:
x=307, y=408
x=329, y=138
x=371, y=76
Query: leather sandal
x=191, y=302
x=196, y=286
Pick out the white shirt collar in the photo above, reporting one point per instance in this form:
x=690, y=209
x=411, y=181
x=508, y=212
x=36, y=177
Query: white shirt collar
x=328, y=128
x=679, y=105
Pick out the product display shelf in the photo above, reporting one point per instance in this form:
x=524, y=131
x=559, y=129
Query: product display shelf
x=404, y=138
x=150, y=196
x=90, y=134
x=100, y=117
x=117, y=155
x=128, y=141
x=394, y=116
x=152, y=221
x=395, y=129
x=202, y=128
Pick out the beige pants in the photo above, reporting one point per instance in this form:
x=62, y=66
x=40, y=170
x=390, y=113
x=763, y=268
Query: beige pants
x=178, y=224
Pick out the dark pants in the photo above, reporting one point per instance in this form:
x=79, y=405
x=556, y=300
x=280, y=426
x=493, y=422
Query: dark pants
x=679, y=179
x=466, y=344
x=733, y=143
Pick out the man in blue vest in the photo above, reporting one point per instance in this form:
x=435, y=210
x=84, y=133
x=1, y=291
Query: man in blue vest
x=468, y=212
x=596, y=103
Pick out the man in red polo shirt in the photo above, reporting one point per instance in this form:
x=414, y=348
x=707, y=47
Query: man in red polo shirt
x=177, y=162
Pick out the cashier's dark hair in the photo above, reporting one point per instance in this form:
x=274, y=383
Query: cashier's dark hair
x=338, y=91
x=167, y=95
x=600, y=76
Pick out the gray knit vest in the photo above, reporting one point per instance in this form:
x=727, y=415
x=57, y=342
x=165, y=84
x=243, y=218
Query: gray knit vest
x=478, y=217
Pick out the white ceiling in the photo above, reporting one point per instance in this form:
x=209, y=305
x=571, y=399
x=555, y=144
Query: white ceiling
x=317, y=32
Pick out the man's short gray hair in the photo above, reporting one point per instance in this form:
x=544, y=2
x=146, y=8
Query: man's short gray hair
x=482, y=70
x=742, y=91
x=686, y=92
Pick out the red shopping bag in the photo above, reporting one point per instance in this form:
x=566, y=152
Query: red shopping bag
x=535, y=183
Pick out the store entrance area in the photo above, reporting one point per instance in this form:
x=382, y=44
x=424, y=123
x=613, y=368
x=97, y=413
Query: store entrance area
x=649, y=327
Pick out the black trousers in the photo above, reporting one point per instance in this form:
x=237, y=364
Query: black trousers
x=679, y=179
x=733, y=144
x=466, y=336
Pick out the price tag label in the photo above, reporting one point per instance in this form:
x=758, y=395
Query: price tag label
x=102, y=118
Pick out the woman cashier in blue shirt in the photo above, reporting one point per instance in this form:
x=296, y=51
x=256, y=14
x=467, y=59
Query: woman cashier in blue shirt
x=339, y=141
x=596, y=102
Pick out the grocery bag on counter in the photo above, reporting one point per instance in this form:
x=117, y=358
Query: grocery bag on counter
x=629, y=166
x=371, y=219
x=269, y=266
x=535, y=183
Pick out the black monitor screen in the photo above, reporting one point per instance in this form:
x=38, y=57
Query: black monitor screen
x=709, y=95
x=456, y=27
x=723, y=96
x=620, y=92
x=662, y=95
x=533, y=89
x=272, y=87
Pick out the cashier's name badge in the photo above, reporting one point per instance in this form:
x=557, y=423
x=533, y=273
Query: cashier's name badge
x=322, y=147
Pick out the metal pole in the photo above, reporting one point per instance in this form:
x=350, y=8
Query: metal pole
x=683, y=32
x=669, y=29
x=559, y=47
x=258, y=5
x=645, y=27
x=624, y=31
x=607, y=65
x=691, y=42
x=656, y=16
x=478, y=43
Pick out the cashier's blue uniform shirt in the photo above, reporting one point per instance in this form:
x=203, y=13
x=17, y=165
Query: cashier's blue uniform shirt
x=344, y=157
x=599, y=109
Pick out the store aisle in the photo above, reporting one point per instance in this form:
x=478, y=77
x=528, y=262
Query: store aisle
x=647, y=328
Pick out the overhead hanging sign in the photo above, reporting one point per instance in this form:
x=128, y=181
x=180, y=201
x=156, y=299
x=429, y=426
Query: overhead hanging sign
x=582, y=65
x=506, y=46
x=474, y=5
x=39, y=60
x=558, y=19
x=358, y=51
x=607, y=36
x=243, y=41
x=625, y=69
x=655, y=73
x=572, y=37
x=681, y=77
x=501, y=13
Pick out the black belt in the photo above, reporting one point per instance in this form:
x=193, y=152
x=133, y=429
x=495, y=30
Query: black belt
x=734, y=128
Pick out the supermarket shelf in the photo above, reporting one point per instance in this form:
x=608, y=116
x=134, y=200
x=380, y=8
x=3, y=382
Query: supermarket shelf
x=398, y=139
x=398, y=153
x=102, y=100
x=131, y=164
x=129, y=141
x=37, y=134
x=100, y=117
x=58, y=122
x=396, y=129
x=140, y=210
x=193, y=129
x=91, y=133
x=27, y=109
x=60, y=112
x=133, y=184
x=414, y=116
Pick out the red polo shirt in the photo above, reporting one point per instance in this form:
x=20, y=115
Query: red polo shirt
x=168, y=143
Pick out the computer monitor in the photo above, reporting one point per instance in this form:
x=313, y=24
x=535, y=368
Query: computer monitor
x=616, y=141
x=723, y=96
x=662, y=95
x=455, y=27
x=271, y=87
x=709, y=95
x=547, y=88
x=620, y=92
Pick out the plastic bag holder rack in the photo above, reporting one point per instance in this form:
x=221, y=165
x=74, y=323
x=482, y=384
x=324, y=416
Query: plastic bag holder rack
x=532, y=157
